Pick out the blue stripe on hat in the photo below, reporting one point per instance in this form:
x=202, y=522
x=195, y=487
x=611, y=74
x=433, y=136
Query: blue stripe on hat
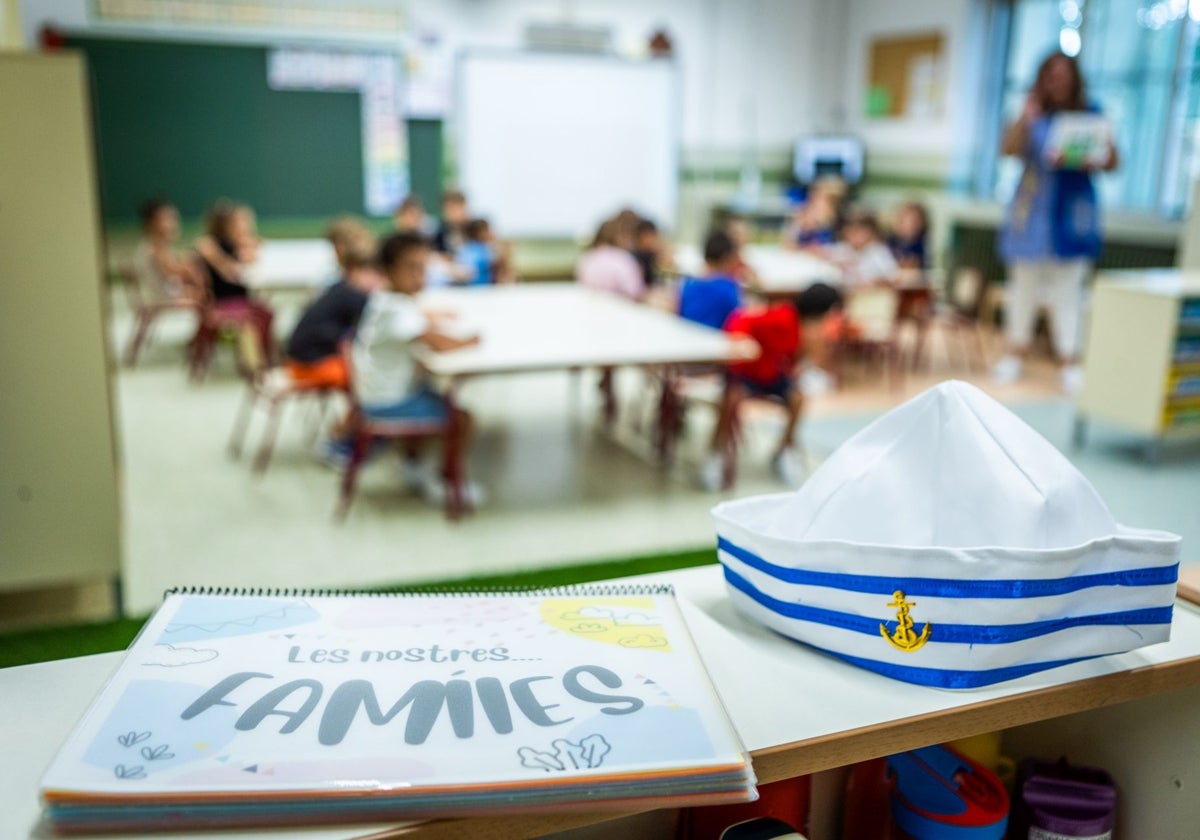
x=950, y=587
x=970, y=634
x=949, y=677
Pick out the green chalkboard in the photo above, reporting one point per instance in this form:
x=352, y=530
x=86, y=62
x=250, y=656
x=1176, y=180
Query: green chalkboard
x=196, y=122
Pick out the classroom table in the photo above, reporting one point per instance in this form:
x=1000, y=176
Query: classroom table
x=564, y=326
x=797, y=711
x=302, y=265
x=781, y=272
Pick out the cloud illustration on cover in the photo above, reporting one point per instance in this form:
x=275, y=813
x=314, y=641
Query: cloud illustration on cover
x=169, y=656
x=201, y=619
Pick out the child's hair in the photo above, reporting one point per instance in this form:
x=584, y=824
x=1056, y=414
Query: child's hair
x=454, y=197
x=412, y=201
x=718, y=247
x=644, y=227
x=475, y=230
x=399, y=244
x=862, y=217
x=343, y=230
x=150, y=208
x=220, y=215
x=360, y=251
x=920, y=210
x=609, y=233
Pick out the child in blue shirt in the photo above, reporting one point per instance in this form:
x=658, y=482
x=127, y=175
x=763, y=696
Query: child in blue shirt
x=710, y=299
x=476, y=256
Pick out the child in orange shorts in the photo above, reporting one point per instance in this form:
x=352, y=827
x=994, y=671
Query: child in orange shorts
x=313, y=352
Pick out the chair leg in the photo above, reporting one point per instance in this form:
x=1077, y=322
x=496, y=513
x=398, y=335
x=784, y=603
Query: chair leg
x=241, y=423
x=452, y=471
x=270, y=431
x=730, y=465
x=200, y=351
x=358, y=454
x=137, y=338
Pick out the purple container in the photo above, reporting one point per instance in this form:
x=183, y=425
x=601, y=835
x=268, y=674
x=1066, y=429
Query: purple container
x=1058, y=800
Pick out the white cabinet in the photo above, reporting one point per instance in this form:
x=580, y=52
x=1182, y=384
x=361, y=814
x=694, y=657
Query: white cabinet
x=1142, y=359
x=59, y=513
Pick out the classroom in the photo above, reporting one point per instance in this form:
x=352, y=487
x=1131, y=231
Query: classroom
x=851, y=346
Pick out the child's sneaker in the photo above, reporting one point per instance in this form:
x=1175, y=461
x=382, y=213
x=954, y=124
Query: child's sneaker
x=334, y=454
x=1007, y=370
x=415, y=474
x=712, y=473
x=788, y=466
x=434, y=492
x=815, y=382
x=1071, y=377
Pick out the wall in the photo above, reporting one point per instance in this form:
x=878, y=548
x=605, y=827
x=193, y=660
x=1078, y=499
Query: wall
x=908, y=148
x=746, y=66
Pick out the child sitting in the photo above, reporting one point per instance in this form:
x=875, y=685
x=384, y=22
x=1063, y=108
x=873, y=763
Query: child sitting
x=607, y=265
x=861, y=253
x=739, y=232
x=314, y=357
x=229, y=244
x=711, y=299
x=162, y=274
x=450, y=234
x=907, y=238
x=648, y=251
x=776, y=330
x=476, y=256
x=410, y=216
x=388, y=381
x=815, y=222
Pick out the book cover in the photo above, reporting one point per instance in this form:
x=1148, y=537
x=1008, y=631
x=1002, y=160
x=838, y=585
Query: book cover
x=230, y=706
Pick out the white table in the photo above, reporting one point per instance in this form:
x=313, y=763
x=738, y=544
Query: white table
x=781, y=271
x=797, y=710
x=562, y=326
x=292, y=265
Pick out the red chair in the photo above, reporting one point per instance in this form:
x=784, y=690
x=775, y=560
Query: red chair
x=246, y=318
x=365, y=432
x=145, y=312
x=272, y=388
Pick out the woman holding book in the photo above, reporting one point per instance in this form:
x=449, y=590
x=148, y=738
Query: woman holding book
x=1051, y=233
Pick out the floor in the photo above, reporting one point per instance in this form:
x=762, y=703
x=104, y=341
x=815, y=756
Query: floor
x=560, y=488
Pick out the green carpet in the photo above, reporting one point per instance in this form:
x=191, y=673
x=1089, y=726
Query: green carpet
x=49, y=643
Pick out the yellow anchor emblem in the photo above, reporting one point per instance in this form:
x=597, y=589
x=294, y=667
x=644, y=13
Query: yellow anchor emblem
x=904, y=638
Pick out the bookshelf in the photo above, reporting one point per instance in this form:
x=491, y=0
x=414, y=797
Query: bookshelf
x=1142, y=356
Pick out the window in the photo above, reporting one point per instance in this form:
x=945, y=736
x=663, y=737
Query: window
x=1141, y=61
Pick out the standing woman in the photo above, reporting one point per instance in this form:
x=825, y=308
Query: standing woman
x=1051, y=233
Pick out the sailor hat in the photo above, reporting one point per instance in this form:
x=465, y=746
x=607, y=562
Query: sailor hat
x=948, y=544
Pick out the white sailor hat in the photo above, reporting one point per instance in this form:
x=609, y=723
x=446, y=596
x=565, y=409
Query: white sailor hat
x=948, y=544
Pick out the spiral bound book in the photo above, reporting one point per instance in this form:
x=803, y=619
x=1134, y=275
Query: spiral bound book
x=270, y=708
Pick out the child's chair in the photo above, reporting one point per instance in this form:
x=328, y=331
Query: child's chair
x=237, y=320
x=869, y=330
x=145, y=312
x=365, y=432
x=778, y=333
x=960, y=315
x=271, y=388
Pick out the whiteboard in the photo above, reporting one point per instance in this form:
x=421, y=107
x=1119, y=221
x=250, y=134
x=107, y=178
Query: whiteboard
x=550, y=144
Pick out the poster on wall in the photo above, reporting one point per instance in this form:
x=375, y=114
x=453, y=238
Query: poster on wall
x=906, y=77
x=376, y=76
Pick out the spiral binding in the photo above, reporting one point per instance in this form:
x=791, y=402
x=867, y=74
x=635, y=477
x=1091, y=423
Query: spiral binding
x=580, y=590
